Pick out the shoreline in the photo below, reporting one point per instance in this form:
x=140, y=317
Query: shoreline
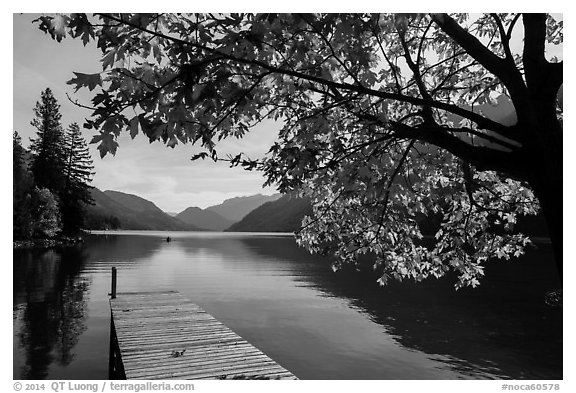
x=47, y=243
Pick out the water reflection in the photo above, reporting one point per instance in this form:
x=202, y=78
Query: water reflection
x=49, y=308
x=318, y=324
x=501, y=329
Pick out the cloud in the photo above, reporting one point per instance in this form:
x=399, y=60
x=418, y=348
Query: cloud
x=170, y=179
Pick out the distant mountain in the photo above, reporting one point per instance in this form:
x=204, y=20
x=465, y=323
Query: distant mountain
x=204, y=219
x=282, y=215
x=133, y=202
x=117, y=210
x=503, y=111
x=235, y=209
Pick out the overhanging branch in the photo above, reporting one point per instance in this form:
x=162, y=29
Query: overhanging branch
x=482, y=157
x=503, y=69
x=480, y=120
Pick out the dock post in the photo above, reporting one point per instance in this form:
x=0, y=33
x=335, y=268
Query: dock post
x=113, y=292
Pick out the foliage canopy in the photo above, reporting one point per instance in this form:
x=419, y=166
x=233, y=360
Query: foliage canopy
x=381, y=120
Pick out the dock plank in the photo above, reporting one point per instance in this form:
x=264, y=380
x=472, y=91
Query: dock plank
x=150, y=326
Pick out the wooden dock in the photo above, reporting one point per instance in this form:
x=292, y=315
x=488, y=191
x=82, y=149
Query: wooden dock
x=163, y=335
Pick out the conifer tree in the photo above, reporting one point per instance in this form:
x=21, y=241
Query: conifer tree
x=48, y=146
x=78, y=171
x=17, y=156
x=21, y=192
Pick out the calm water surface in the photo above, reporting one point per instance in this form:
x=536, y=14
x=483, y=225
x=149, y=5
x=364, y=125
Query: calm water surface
x=316, y=323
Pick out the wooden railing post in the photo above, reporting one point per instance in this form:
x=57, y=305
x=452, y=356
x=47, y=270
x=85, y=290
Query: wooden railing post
x=113, y=292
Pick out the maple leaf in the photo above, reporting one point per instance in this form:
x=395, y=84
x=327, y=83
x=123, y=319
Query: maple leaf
x=58, y=26
x=134, y=126
x=107, y=144
x=108, y=59
x=85, y=80
x=81, y=28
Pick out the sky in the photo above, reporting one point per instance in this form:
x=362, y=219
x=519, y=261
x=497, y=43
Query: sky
x=158, y=173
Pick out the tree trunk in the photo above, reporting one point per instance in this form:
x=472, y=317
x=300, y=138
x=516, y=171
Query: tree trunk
x=544, y=164
x=547, y=186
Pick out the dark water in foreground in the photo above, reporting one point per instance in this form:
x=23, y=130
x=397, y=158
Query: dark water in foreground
x=316, y=323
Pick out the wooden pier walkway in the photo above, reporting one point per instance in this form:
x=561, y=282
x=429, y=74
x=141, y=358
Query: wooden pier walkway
x=163, y=335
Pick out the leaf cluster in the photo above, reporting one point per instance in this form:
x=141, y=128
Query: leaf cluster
x=382, y=114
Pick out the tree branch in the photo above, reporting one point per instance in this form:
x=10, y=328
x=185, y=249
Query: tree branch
x=327, y=42
x=506, y=71
x=511, y=26
x=434, y=128
x=471, y=45
x=482, y=121
x=484, y=158
x=503, y=37
x=417, y=77
x=543, y=78
x=394, y=73
x=420, y=47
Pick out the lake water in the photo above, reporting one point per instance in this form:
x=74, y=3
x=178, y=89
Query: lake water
x=292, y=306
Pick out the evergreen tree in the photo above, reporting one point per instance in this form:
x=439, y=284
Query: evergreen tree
x=22, y=183
x=48, y=146
x=18, y=157
x=78, y=171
